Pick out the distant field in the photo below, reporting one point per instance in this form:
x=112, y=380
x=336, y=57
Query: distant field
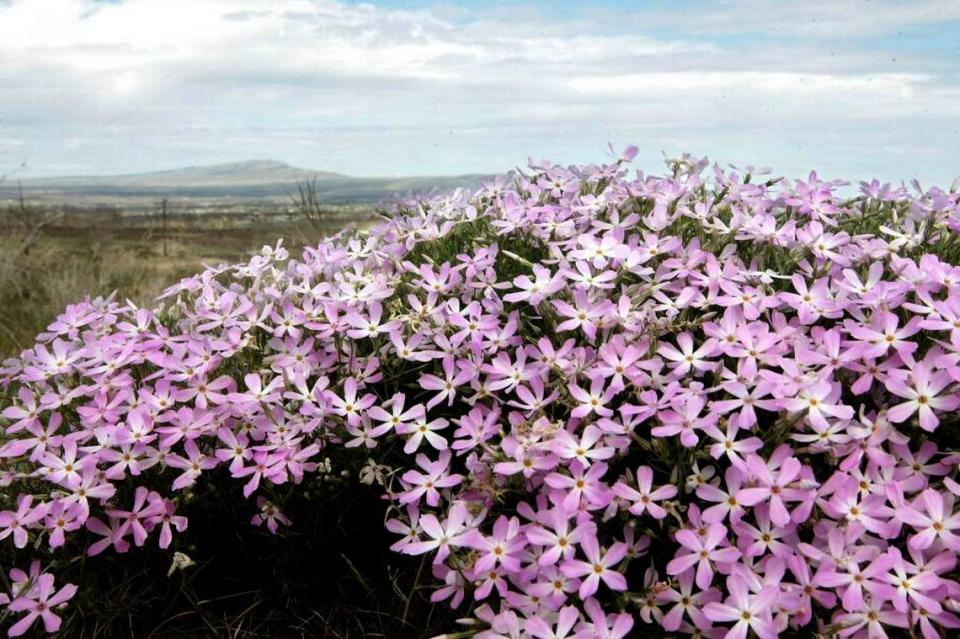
x=52, y=254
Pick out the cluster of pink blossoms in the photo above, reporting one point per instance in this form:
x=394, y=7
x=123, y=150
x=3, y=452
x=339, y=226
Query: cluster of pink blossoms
x=596, y=400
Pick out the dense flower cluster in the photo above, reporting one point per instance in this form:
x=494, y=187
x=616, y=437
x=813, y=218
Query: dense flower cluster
x=596, y=400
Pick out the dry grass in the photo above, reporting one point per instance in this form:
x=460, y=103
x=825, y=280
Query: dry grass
x=49, y=260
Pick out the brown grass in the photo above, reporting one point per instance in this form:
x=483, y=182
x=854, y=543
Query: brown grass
x=51, y=259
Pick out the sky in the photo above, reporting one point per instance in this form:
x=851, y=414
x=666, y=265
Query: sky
x=852, y=89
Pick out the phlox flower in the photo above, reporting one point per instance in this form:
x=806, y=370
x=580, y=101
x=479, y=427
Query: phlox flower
x=269, y=515
x=257, y=393
x=456, y=374
x=728, y=445
x=443, y=537
x=598, y=566
x=24, y=414
x=426, y=484
x=61, y=519
x=15, y=523
x=532, y=398
x=923, y=389
x=90, y=486
x=855, y=580
x=43, y=438
x=265, y=464
x=873, y=617
x=685, y=601
x=500, y=548
x=684, y=419
x=369, y=325
x=535, y=290
x=559, y=628
x=747, y=399
x=192, y=465
x=932, y=515
x=704, y=552
x=349, y=405
x=643, y=498
x=421, y=429
x=593, y=401
x=582, y=482
x=583, y=314
x=42, y=600
x=773, y=489
x=810, y=302
x=884, y=333
x=557, y=536
x=913, y=587
x=583, y=277
x=506, y=374
x=146, y=506
x=747, y=611
x=726, y=502
x=818, y=402
x=603, y=625
x=584, y=449
x=67, y=468
x=397, y=418
x=686, y=359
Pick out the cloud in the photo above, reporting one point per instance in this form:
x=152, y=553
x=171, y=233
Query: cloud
x=360, y=88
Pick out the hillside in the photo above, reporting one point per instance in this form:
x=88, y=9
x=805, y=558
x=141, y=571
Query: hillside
x=253, y=179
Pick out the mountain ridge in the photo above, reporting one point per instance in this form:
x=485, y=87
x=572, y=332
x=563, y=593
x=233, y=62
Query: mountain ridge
x=256, y=178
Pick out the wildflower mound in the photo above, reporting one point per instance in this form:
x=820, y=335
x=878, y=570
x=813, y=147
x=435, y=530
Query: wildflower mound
x=595, y=402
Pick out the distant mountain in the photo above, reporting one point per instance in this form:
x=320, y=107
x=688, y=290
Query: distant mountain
x=247, y=180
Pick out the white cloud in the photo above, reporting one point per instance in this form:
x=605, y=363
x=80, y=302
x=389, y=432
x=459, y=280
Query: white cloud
x=87, y=86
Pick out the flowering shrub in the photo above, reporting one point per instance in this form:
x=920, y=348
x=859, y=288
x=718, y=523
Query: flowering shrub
x=595, y=400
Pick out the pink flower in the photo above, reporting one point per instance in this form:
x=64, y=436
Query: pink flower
x=643, y=499
x=583, y=483
x=456, y=374
x=501, y=548
x=420, y=429
x=884, y=333
x=40, y=602
x=598, y=567
x=747, y=400
x=133, y=520
x=687, y=601
x=583, y=314
x=728, y=444
x=923, y=393
x=61, y=519
x=593, y=401
x=703, y=552
x=436, y=475
x=566, y=446
x=269, y=515
x=559, y=540
x=684, y=419
x=397, y=418
x=687, y=359
x=932, y=515
x=192, y=465
x=855, y=580
x=535, y=290
x=773, y=488
x=16, y=523
x=747, y=611
x=369, y=325
x=349, y=405
x=450, y=534
x=817, y=400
